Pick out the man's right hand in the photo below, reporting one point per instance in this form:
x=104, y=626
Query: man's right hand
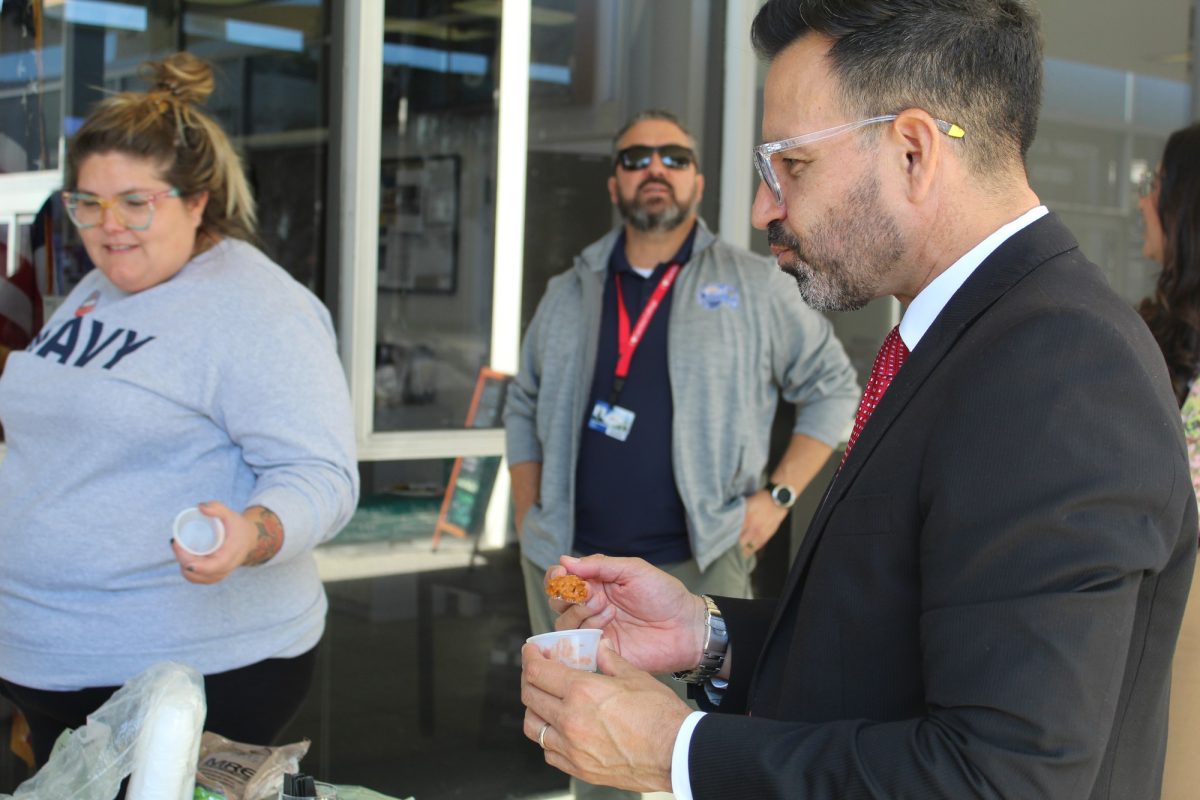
x=651, y=618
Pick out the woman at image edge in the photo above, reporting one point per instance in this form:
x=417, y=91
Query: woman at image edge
x=1170, y=206
x=187, y=368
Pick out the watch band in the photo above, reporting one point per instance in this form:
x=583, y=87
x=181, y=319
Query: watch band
x=716, y=644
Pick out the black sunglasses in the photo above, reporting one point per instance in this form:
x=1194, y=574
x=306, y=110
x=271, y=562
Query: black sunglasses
x=639, y=156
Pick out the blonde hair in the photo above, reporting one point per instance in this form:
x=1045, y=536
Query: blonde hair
x=164, y=125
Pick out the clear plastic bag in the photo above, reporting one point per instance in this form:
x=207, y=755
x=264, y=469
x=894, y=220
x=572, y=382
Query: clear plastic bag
x=150, y=727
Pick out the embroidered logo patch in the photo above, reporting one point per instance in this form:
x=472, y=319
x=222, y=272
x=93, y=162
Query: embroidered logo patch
x=715, y=295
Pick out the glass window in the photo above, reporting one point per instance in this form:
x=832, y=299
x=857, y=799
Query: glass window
x=1075, y=164
x=1101, y=128
x=1160, y=103
x=1084, y=91
x=271, y=65
x=436, y=212
x=1112, y=97
x=31, y=80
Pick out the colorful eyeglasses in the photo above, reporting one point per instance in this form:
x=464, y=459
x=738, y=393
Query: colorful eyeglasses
x=134, y=210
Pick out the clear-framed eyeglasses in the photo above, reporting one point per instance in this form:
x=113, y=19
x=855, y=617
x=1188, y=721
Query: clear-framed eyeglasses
x=764, y=152
x=133, y=210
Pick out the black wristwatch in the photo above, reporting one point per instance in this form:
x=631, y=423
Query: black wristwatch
x=783, y=495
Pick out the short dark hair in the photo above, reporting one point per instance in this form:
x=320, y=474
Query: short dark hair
x=653, y=113
x=977, y=63
x=1173, y=312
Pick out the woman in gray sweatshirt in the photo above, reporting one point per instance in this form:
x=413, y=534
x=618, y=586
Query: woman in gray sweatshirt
x=186, y=369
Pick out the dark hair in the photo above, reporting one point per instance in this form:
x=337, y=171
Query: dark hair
x=653, y=113
x=163, y=125
x=977, y=63
x=1173, y=312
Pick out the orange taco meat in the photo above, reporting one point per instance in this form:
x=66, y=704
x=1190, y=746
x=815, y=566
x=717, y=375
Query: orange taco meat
x=568, y=587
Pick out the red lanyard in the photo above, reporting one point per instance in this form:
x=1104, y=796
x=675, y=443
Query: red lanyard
x=628, y=342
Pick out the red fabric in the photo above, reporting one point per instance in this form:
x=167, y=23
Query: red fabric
x=20, y=310
x=888, y=361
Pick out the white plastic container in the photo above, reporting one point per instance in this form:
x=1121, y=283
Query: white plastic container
x=198, y=534
x=576, y=648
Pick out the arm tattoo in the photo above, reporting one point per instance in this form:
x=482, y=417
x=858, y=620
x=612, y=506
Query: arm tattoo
x=270, y=537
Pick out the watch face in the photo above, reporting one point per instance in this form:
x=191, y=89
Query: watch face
x=783, y=495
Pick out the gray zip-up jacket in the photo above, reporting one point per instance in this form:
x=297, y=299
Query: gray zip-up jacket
x=738, y=336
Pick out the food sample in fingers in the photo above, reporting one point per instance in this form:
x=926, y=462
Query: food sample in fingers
x=568, y=587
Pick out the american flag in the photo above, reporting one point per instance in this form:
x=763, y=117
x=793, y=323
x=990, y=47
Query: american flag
x=20, y=303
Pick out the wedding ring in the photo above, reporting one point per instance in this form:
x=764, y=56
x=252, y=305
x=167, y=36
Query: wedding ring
x=542, y=735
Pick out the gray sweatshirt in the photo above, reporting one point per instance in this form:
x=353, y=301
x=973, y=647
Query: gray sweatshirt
x=222, y=383
x=739, y=336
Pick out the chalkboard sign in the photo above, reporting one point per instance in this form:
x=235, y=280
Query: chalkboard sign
x=472, y=478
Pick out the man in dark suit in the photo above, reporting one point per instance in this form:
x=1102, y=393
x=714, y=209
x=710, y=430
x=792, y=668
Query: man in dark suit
x=987, y=600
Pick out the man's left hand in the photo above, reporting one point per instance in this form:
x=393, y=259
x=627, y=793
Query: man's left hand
x=613, y=729
x=763, y=518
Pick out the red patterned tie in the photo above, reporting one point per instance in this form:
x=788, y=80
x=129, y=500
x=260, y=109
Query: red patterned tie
x=888, y=361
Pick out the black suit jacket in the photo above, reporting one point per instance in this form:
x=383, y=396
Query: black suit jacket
x=986, y=603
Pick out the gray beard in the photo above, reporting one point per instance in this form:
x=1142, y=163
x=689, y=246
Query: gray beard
x=855, y=249
x=822, y=294
x=643, y=220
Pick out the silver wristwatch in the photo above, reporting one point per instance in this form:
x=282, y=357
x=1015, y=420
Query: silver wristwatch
x=783, y=495
x=716, y=644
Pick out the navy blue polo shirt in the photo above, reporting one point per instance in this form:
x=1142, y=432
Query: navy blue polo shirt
x=626, y=503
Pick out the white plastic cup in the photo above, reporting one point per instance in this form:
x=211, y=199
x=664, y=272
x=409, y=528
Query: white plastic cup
x=575, y=648
x=197, y=533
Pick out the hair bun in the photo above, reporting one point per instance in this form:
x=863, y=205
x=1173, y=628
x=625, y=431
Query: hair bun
x=188, y=78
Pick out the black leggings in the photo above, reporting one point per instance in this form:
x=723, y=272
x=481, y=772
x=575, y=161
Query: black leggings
x=251, y=704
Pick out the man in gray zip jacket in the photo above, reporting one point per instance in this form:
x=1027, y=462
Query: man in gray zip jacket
x=733, y=335
x=683, y=487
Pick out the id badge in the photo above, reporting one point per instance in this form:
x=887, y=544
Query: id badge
x=613, y=421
